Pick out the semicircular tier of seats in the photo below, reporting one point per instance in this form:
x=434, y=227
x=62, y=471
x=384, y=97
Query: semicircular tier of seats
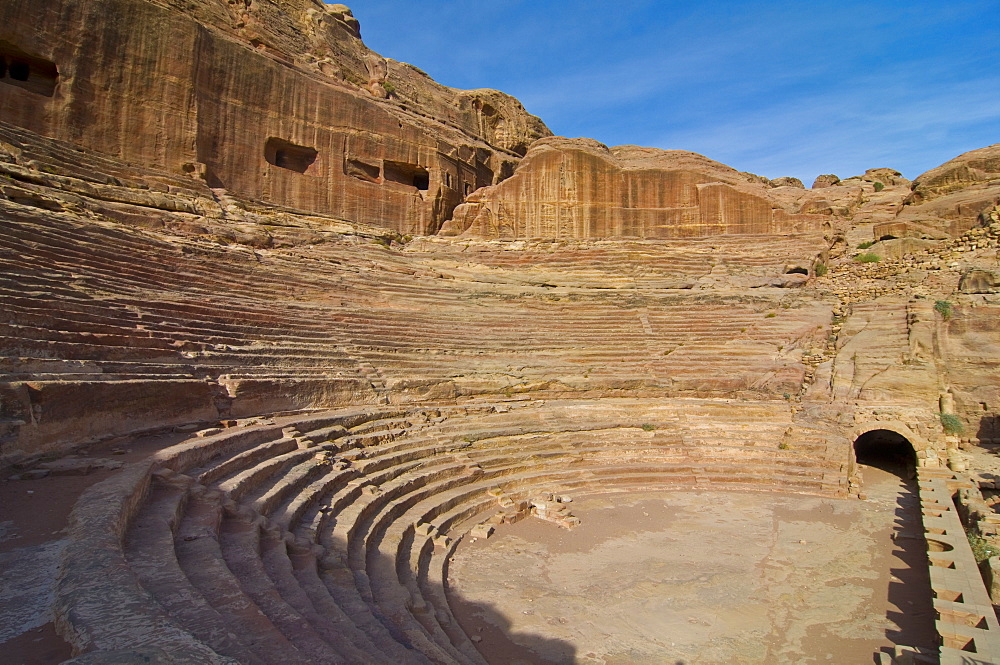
x=139, y=307
x=326, y=539
x=204, y=333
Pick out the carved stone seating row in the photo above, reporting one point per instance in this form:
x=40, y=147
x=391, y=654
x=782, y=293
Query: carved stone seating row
x=325, y=540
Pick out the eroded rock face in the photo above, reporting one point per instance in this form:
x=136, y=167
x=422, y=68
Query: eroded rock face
x=885, y=176
x=973, y=168
x=787, y=182
x=872, y=198
x=952, y=198
x=579, y=188
x=278, y=102
x=979, y=281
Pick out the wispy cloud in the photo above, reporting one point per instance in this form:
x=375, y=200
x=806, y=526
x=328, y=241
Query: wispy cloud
x=873, y=123
x=778, y=87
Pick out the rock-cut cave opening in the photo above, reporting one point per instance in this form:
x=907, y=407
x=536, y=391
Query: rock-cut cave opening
x=31, y=73
x=286, y=155
x=19, y=71
x=886, y=450
x=406, y=174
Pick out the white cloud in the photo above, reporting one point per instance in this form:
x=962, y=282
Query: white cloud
x=778, y=87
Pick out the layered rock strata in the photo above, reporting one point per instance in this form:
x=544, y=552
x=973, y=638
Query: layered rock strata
x=203, y=211
x=950, y=199
x=207, y=312
x=267, y=101
x=581, y=189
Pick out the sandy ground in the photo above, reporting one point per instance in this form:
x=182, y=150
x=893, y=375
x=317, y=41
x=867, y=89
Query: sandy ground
x=33, y=519
x=702, y=578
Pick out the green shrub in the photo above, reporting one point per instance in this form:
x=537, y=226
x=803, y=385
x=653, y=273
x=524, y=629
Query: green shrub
x=943, y=307
x=981, y=548
x=388, y=87
x=770, y=315
x=866, y=244
x=879, y=186
x=648, y=427
x=783, y=445
x=820, y=269
x=867, y=257
x=950, y=423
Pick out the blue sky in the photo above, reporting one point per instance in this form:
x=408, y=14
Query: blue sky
x=776, y=88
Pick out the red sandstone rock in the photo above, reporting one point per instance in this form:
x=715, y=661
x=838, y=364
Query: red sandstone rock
x=268, y=101
x=825, y=181
x=952, y=198
x=787, y=182
x=579, y=188
x=153, y=275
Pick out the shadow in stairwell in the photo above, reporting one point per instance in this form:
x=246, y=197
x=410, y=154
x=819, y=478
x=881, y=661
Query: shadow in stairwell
x=909, y=584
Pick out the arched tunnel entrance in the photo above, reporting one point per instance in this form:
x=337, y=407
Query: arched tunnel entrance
x=886, y=450
x=887, y=468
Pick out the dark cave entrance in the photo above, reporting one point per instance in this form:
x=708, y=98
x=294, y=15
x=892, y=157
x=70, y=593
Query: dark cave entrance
x=19, y=70
x=406, y=174
x=34, y=74
x=286, y=155
x=886, y=450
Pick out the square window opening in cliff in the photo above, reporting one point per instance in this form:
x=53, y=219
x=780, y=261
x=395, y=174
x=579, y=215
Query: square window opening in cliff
x=286, y=155
x=362, y=170
x=406, y=174
x=31, y=73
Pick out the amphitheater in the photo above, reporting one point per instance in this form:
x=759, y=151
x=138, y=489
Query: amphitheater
x=307, y=358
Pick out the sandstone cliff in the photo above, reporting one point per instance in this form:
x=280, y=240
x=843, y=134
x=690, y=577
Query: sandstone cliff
x=579, y=188
x=950, y=199
x=202, y=207
x=270, y=101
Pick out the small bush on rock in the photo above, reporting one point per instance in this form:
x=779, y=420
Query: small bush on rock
x=943, y=307
x=820, y=269
x=950, y=423
x=867, y=257
x=866, y=244
x=981, y=548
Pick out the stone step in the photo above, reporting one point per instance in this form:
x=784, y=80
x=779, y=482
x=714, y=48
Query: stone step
x=149, y=549
x=239, y=543
x=200, y=557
